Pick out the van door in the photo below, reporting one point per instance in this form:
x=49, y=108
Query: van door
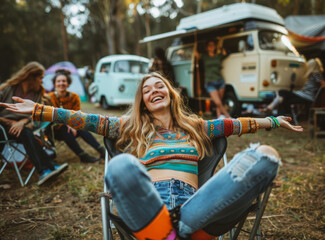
x=101, y=81
x=241, y=67
x=181, y=60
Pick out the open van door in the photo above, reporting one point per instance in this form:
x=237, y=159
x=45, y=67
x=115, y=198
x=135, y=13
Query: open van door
x=181, y=60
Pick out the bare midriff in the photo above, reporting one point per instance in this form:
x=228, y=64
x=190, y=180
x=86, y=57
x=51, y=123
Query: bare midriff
x=158, y=175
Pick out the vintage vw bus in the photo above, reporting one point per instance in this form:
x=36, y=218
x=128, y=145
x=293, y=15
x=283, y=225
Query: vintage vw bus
x=261, y=58
x=116, y=79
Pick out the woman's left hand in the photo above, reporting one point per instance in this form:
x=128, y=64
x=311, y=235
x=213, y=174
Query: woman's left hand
x=16, y=128
x=284, y=122
x=72, y=130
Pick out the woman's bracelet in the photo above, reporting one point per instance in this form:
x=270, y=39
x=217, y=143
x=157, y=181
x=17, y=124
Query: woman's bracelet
x=274, y=122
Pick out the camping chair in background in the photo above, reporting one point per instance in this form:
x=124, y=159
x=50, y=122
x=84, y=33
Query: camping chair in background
x=307, y=108
x=316, y=119
x=14, y=153
x=206, y=169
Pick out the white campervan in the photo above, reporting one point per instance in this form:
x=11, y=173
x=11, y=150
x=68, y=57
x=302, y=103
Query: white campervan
x=261, y=58
x=116, y=79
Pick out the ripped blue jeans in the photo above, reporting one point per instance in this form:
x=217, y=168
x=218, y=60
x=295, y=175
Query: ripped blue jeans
x=219, y=202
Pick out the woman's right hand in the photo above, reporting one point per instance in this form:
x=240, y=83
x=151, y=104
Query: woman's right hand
x=24, y=106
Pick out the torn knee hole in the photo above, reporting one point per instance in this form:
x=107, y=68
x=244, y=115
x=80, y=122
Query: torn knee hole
x=239, y=169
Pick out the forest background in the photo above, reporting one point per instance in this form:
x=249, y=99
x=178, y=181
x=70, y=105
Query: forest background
x=83, y=31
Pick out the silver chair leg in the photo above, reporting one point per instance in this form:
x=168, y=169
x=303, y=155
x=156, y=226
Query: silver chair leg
x=107, y=235
x=260, y=213
x=30, y=175
x=3, y=166
x=18, y=174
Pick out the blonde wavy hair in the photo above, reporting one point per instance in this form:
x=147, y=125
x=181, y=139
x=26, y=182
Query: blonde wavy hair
x=138, y=130
x=30, y=70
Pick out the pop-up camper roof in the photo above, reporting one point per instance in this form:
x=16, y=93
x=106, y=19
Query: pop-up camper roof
x=220, y=17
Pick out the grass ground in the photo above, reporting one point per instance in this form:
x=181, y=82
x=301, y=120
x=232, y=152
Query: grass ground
x=69, y=207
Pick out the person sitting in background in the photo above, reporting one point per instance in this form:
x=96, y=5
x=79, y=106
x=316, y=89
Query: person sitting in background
x=162, y=144
x=62, y=98
x=214, y=82
x=314, y=81
x=161, y=65
x=27, y=83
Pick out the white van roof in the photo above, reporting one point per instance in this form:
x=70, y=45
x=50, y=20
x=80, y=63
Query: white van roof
x=230, y=13
x=123, y=57
x=223, y=16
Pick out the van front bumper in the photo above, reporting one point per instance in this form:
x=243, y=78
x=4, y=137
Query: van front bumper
x=121, y=101
x=263, y=96
x=266, y=95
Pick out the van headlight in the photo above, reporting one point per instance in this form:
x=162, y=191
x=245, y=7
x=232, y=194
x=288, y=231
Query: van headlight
x=274, y=77
x=121, y=88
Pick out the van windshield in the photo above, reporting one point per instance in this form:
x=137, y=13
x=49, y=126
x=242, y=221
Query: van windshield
x=271, y=40
x=129, y=66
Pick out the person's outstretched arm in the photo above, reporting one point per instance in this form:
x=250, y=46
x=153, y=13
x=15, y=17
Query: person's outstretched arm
x=76, y=119
x=239, y=126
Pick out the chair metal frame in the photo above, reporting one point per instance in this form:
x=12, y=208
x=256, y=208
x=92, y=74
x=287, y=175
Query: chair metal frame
x=13, y=146
x=206, y=167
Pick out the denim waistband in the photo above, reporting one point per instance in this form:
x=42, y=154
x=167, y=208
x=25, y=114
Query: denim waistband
x=174, y=192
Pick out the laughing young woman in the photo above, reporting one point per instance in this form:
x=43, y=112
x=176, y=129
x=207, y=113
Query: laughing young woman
x=162, y=144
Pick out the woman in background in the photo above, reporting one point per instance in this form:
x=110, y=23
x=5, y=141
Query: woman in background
x=63, y=98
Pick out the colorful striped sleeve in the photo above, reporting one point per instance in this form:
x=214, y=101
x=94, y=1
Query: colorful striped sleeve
x=222, y=127
x=96, y=123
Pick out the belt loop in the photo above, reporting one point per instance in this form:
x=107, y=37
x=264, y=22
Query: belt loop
x=181, y=185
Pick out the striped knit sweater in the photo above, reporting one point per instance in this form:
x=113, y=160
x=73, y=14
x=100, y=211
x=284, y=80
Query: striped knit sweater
x=169, y=150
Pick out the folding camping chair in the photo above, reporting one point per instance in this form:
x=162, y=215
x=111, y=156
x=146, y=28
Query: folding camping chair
x=14, y=152
x=206, y=169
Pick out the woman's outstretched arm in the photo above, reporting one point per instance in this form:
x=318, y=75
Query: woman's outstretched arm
x=76, y=119
x=239, y=126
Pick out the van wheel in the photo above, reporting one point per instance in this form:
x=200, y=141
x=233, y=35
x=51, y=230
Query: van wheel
x=104, y=103
x=231, y=103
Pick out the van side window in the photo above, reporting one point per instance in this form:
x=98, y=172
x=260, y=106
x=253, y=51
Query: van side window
x=239, y=44
x=182, y=54
x=125, y=66
x=105, y=67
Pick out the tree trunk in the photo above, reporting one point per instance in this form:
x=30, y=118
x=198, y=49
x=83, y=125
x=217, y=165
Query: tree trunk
x=64, y=34
x=148, y=33
x=120, y=37
x=136, y=31
x=296, y=8
x=199, y=6
x=313, y=7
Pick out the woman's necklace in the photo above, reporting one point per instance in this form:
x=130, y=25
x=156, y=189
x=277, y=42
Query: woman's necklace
x=59, y=98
